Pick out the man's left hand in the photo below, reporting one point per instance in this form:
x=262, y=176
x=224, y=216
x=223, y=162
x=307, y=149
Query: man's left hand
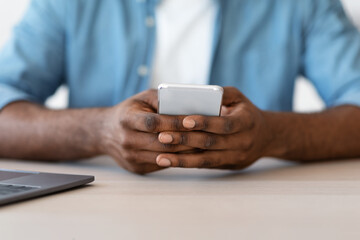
x=234, y=140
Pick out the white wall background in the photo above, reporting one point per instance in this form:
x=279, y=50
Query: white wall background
x=306, y=99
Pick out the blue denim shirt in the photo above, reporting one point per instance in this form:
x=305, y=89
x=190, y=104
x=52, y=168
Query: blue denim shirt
x=103, y=51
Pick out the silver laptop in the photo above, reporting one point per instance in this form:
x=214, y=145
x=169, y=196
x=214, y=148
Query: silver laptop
x=20, y=185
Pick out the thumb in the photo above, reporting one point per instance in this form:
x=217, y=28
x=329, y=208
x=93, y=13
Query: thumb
x=233, y=96
x=149, y=97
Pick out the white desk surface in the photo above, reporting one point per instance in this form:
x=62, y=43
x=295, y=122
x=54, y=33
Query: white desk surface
x=271, y=200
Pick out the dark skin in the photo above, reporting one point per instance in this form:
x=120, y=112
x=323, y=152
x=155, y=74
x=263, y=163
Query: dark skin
x=142, y=141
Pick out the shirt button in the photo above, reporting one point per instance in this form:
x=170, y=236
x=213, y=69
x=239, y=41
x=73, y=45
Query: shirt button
x=150, y=21
x=143, y=70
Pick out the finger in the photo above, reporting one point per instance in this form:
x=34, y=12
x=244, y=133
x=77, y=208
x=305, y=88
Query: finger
x=150, y=168
x=143, y=162
x=143, y=169
x=205, y=159
x=219, y=125
x=153, y=122
x=202, y=140
x=208, y=141
x=140, y=162
x=149, y=142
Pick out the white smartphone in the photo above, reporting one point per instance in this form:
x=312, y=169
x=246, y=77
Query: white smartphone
x=188, y=99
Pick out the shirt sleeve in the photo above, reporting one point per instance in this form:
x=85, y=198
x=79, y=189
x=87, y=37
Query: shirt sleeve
x=331, y=56
x=32, y=61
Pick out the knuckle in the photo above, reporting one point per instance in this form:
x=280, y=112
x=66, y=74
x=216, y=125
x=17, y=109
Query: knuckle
x=168, y=147
x=132, y=157
x=151, y=123
x=123, y=122
x=128, y=157
x=217, y=161
x=228, y=126
x=204, y=122
x=125, y=142
x=206, y=162
x=251, y=124
x=251, y=121
x=248, y=116
x=176, y=123
x=248, y=143
x=181, y=162
x=183, y=139
x=242, y=157
x=209, y=141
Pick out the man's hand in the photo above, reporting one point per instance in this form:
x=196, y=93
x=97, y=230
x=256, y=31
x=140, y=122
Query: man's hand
x=130, y=133
x=234, y=140
x=243, y=133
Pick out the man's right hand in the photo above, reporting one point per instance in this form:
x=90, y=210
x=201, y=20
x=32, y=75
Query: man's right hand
x=130, y=133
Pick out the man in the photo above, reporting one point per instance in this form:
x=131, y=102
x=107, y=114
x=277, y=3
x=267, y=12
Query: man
x=108, y=50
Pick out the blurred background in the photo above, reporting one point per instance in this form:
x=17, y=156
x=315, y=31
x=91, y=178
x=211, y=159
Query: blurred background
x=306, y=98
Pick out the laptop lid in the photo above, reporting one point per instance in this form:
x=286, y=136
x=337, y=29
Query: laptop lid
x=20, y=185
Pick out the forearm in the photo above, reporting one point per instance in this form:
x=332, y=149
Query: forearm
x=332, y=134
x=30, y=131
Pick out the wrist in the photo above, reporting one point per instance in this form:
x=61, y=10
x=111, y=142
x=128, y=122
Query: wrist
x=98, y=130
x=87, y=131
x=274, y=127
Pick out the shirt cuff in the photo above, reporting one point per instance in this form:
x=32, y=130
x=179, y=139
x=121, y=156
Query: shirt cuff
x=9, y=94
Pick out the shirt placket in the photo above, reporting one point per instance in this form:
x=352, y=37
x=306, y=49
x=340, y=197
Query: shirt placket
x=144, y=68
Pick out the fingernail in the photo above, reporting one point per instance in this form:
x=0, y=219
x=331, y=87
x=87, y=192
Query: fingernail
x=165, y=138
x=163, y=162
x=188, y=123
